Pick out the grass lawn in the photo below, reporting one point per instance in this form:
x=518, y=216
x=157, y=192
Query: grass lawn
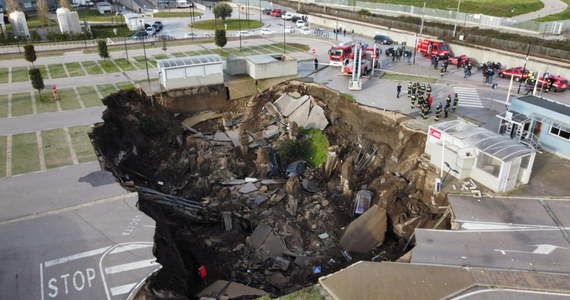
x=176, y=14
x=179, y=54
x=25, y=153
x=108, y=66
x=68, y=99
x=20, y=74
x=3, y=156
x=89, y=96
x=309, y=293
x=21, y=104
x=3, y=106
x=125, y=85
x=124, y=64
x=107, y=89
x=565, y=15
x=35, y=22
x=57, y=71
x=56, y=149
x=399, y=77
x=47, y=105
x=43, y=71
x=74, y=69
x=233, y=24
x=81, y=143
x=160, y=56
x=105, y=31
x=140, y=61
x=94, y=15
x=489, y=7
x=91, y=67
x=4, y=75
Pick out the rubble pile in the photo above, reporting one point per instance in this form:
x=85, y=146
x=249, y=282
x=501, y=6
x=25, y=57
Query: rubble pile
x=221, y=198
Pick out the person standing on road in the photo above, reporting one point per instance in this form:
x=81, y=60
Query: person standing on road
x=448, y=101
x=410, y=89
x=455, y=102
x=425, y=111
x=437, y=111
x=446, y=110
x=344, y=32
x=413, y=99
x=398, y=90
x=316, y=64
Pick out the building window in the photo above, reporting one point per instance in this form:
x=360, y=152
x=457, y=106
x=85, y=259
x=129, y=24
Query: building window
x=560, y=133
x=488, y=164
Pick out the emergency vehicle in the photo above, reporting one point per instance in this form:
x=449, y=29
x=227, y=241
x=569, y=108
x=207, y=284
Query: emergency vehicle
x=367, y=57
x=338, y=54
x=431, y=47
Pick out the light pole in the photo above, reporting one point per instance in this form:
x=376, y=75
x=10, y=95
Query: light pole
x=456, y=15
x=247, y=14
x=125, y=42
x=544, y=33
x=260, y=11
x=239, y=26
x=524, y=67
x=283, y=36
x=423, y=15
x=191, y=22
x=85, y=30
x=336, y=29
x=145, y=59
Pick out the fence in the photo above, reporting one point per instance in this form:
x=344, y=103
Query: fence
x=54, y=46
x=447, y=16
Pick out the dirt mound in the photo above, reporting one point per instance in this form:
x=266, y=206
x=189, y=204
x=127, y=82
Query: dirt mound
x=220, y=209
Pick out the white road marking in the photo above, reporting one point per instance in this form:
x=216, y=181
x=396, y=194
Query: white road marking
x=62, y=260
x=42, y=280
x=122, y=289
x=131, y=266
x=129, y=247
x=468, y=97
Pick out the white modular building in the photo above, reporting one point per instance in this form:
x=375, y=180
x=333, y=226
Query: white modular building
x=184, y=72
x=464, y=150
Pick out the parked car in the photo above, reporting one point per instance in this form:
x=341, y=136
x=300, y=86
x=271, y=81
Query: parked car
x=150, y=30
x=289, y=29
x=266, y=11
x=558, y=83
x=208, y=34
x=157, y=25
x=139, y=35
x=287, y=16
x=276, y=12
x=266, y=30
x=461, y=60
x=244, y=33
x=294, y=19
x=390, y=51
x=305, y=30
x=53, y=8
x=383, y=39
x=517, y=73
x=300, y=24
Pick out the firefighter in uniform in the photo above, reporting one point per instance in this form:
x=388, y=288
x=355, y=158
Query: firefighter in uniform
x=448, y=101
x=428, y=89
x=455, y=102
x=414, y=88
x=413, y=100
x=438, y=110
x=425, y=111
x=420, y=101
x=410, y=89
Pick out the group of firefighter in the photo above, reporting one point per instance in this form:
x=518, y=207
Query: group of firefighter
x=421, y=94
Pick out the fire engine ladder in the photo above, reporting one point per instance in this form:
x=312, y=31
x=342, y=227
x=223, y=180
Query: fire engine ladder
x=356, y=82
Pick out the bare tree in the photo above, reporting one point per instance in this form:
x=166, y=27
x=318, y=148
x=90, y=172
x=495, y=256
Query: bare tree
x=64, y=3
x=11, y=5
x=42, y=9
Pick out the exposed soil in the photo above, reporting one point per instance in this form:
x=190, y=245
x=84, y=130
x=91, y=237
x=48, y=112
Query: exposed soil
x=145, y=145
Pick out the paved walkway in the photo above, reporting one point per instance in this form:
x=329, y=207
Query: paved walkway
x=550, y=7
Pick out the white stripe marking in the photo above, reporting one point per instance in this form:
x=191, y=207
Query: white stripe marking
x=42, y=281
x=131, y=266
x=62, y=260
x=128, y=247
x=122, y=289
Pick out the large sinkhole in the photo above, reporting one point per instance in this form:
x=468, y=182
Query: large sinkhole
x=263, y=201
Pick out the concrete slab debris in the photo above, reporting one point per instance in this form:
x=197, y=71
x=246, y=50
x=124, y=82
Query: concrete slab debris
x=234, y=182
x=286, y=104
x=221, y=137
x=317, y=118
x=259, y=199
x=232, y=290
x=258, y=236
x=323, y=236
x=366, y=232
x=228, y=223
x=280, y=263
x=301, y=115
x=248, y=188
x=270, y=131
x=234, y=137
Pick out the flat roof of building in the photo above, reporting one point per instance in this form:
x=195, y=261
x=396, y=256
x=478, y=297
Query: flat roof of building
x=547, y=104
x=189, y=61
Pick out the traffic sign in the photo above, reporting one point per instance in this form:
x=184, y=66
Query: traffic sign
x=314, y=51
x=434, y=133
x=373, y=55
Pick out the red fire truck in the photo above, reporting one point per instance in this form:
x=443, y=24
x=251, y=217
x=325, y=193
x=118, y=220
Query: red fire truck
x=431, y=47
x=338, y=54
x=368, y=56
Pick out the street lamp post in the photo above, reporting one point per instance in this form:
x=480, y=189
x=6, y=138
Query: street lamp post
x=247, y=14
x=191, y=22
x=260, y=11
x=456, y=15
x=524, y=67
x=239, y=26
x=336, y=29
x=85, y=31
x=283, y=36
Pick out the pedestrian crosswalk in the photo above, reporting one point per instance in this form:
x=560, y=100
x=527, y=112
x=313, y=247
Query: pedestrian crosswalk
x=468, y=97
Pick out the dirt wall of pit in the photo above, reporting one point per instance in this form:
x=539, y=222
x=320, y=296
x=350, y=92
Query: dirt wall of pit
x=196, y=99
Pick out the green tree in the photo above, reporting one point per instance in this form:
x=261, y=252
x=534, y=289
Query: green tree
x=221, y=39
x=64, y=3
x=11, y=5
x=37, y=80
x=103, y=50
x=222, y=10
x=30, y=54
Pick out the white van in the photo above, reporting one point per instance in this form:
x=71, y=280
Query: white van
x=184, y=4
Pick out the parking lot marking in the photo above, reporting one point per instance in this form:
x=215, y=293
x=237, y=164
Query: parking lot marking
x=77, y=256
x=41, y=155
x=9, y=105
x=132, y=266
x=9, y=155
x=79, y=97
x=70, y=144
x=10, y=75
x=34, y=104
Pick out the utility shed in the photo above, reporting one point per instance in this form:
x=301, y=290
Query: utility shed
x=463, y=150
x=184, y=72
x=270, y=65
x=539, y=122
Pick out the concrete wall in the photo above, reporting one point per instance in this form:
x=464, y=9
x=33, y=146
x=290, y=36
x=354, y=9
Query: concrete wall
x=196, y=99
x=235, y=66
x=480, y=54
x=286, y=67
